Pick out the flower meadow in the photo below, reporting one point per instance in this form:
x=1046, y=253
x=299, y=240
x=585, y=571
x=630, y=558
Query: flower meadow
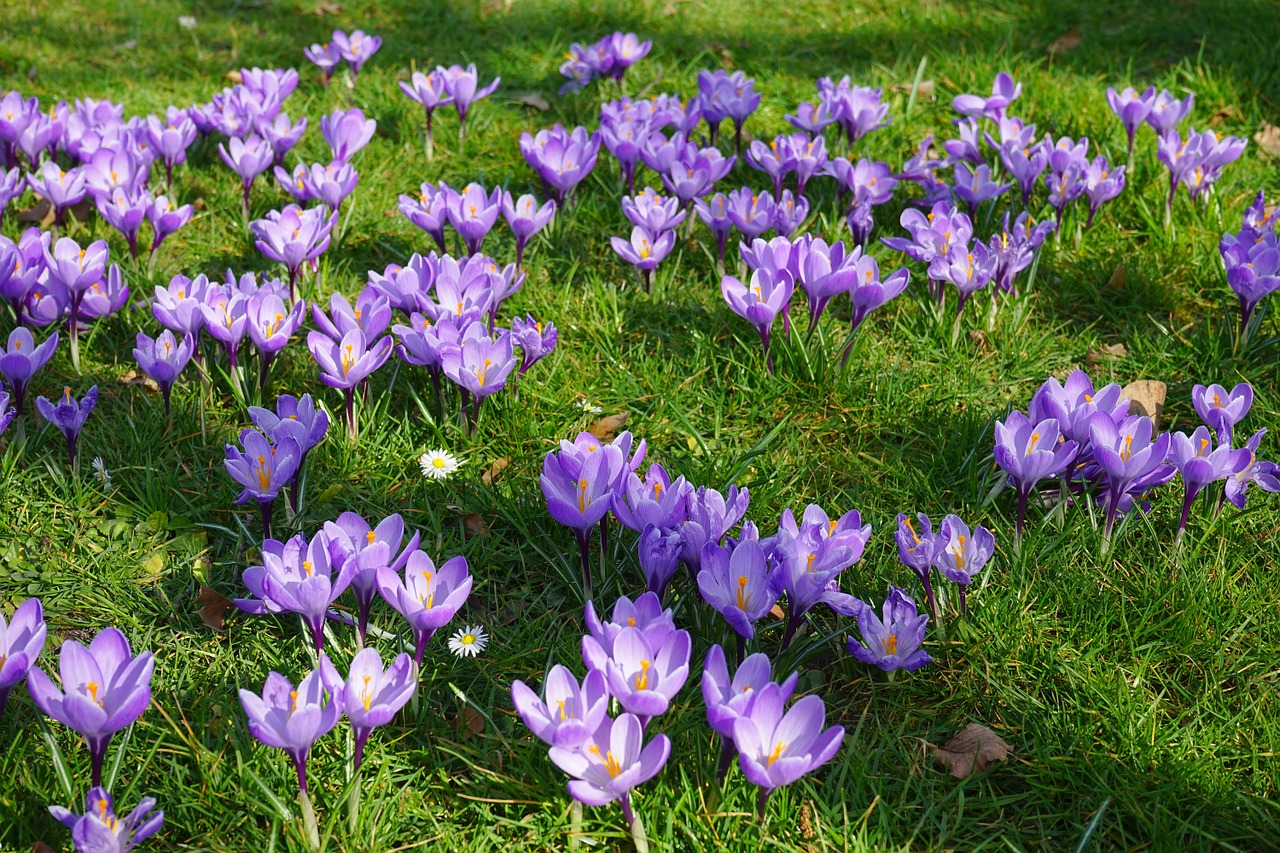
x=662, y=449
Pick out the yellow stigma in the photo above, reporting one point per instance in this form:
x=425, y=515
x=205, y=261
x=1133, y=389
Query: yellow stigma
x=891, y=644
x=958, y=553
x=92, y=687
x=744, y=598
x=1204, y=442
x=809, y=566
x=582, y=496
x=308, y=568
x=657, y=491
x=1031, y=445
x=368, y=698
x=348, y=360
x=264, y=476
x=642, y=677
x=563, y=714
x=1128, y=448
x=777, y=753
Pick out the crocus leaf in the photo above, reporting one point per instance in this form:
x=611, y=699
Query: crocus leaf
x=973, y=750
x=213, y=608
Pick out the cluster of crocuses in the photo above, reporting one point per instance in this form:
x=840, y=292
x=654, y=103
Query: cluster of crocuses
x=90, y=151
x=1251, y=257
x=611, y=56
x=307, y=577
x=1195, y=161
x=20, y=360
x=1086, y=439
x=452, y=307
x=453, y=85
x=822, y=270
x=104, y=689
x=355, y=50
x=472, y=212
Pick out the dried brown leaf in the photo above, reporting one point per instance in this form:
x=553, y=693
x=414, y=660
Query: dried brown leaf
x=973, y=750
x=1104, y=353
x=1268, y=139
x=1065, y=43
x=475, y=525
x=199, y=203
x=606, y=429
x=213, y=608
x=512, y=611
x=925, y=90
x=534, y=100
x=1146, y=397
x=468, y=723
x=1228, y=113
x=1117, y=279
x=234, y=76
x=133, y=377
x=41, y=847
x=777, y=612
x=498, y=466
x=328, y=9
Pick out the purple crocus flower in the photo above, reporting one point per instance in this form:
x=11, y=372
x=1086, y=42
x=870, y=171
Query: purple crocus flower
x=810, y=118
x=974, y=186
x=165, y=219
x=750, y=212
x=535, y=340
x=281, y=133
x=711, y=516
x=69, y=415
x=1183, y=158
x=657, y=500
x=892, y=642
x=1128, y=455
x=352, y=540
x=99, y=828
x=463, y=86
x=170, y=142
x=1015, y=248
x=653, y=212
x=658, y=550
x=429, y=91
x=968, y=268
x=76, y=269
x=372, y=696
x=428, y=210
x=248, y=158
x=776, y=746
x=868, y=292
x=472, y=213
x=961, y=556
x=759, y=302
x=226, y=318
x=714, y=214
x=857, y=109
x=824, y=272
x=346, y=132
x=7, y=415
x=1030, y=452
x=916, y=551
x=23, y=265
x=724, y=95
x=292, y=237
x=645, y=614
x=1266, y=475
x=736, y=585
x=104, y=689
x=299, y=419
x=967, y=148
x=426, y=597
x=329, y=184
x=479, y=365
x=346, y=363
x=789, y=214
x=1132, y=109
x=561, y=158
x=62, y=189
x=21, y=359
x=727, y=698
x=356, y=48
x=294, y=718
x=1004, y=91
x=1026, y=163
x=300, y=577
x=1167, y=112
x=568, y=713
x=644, y=251
x=125, y=211
x=1221, y=409
x=270, y=326
x=263, y=469
x=21, y=641
x=776, y=159
x=579, y=493
x=371, y=314
x=325, y=56
x=163, y=359
x=809, y=557
x=1200, y=464
x=12, y=185
x=525, y=219
x=612, y=762
x=1101, y=184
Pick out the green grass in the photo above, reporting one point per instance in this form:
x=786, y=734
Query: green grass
x=1139, y=691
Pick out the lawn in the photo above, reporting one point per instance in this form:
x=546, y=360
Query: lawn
x=1139, y=690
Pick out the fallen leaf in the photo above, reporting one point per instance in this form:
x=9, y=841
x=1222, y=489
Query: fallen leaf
x=532, y=99
x=475, y=525
x=1146, y=397
x=606, y=429
x=36, y=213
x=1117, y=279
x=512, y=610
x=924, y=90
x=328, y=9
x=1106, y=352
x=1268, y=139
x=1230, y=111
x=777, y=612
x=498, y=466
x=41, y=847
x=199, y=203
x=153, y=567
x=1065, y=43
x=979, y=338
x=468, y=722
x=234, y=76
x=133, y=377
x=973, y=750
x=213, y=608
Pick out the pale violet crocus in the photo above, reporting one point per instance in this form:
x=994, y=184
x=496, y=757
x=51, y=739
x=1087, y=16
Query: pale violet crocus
x=568, y=712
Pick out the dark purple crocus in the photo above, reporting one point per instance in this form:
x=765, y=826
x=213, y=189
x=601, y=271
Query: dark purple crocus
x=426, y=597
x=69, y=415
x=893, y=640
x=21, y=641
x=21, y=359
x=347, y=132
x=807, y=560
x=292, y=237
x=579, y=493
x=248, y=158
x=429, y=91
x=1030, y=452
x=373, y=696
x=611, y=762
x=724, y=95
x=472, y=213
x=104, y=689
x=657, y=500
x=163, y=359
x=101, y=830
x=1265, y=475
x=567, y=713
x=1221, y=409
x=1253, y=271
x=1200, y=464
x=736, y=585
x=525, y=218
x=463, y=86
x=262, y=469
x=658, y=550
x=294, y=718
x=766, y=295
x=968, y=147
x=1132, y=109
x=776, y=745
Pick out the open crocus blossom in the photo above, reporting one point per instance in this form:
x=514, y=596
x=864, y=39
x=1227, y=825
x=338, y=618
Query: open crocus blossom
x=760, y=301
x=644, y=676
x=426, y=597
x=525, y=218
x=961, y=556
x=868, y=292
x=1129, y=457
x=20, y=360
x=612, y=762
x=736, y=584
x=372, y=696
x=1200, y=464
x=263, y=469
x=357, y=48
x=69, y=415
x=294, y=718
x=1132, y=109
x=429, y=91
x=300, y=577
x=644, y=251
x=1030, y=452
x=163, y=359
x=916, y=550
x=1004, y=91
x=729, y=698
x=644, y=614
x=104, y=689
x=1221, y=409
x=292, y=237
x=248, y=158
x=776, y=746
x=463, y=86
x=1266, y=475
x=346, y=132
x=567, y=714
x=370, y=548
x=580, y=493
x=892, y=642
x=21, y=641
x=101, y=830
x=346, y=363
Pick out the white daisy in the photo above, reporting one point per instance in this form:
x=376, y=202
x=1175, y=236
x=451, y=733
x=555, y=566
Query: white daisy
x=438, y=464
x=469, y=641
x=186, y=22
x=589, y=407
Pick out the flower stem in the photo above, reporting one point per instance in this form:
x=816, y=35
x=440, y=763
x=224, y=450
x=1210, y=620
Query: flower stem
x=308, y=816
x=353, y=799
x=584, y=551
